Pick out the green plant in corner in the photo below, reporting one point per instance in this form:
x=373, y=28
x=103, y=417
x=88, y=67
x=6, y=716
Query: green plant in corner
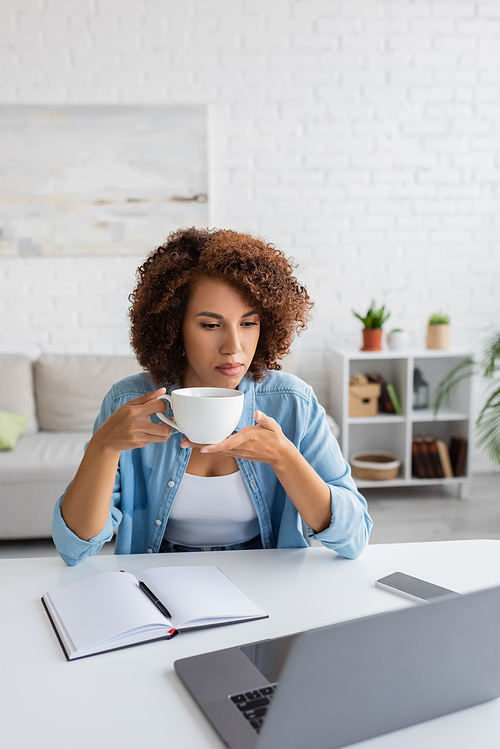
x=488, y=421
x=374, y=318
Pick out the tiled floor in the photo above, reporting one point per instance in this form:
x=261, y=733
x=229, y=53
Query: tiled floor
x=413, y=514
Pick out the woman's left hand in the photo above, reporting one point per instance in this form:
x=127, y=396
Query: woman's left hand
x=262, y=443
x=266, y=443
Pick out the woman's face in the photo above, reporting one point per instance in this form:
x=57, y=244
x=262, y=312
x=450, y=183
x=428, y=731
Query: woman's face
x=221, y=332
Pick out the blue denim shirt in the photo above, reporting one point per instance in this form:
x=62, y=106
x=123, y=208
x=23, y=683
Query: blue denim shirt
x=148, y=478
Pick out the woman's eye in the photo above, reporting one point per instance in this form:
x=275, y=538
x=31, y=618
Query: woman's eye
x=213, y=325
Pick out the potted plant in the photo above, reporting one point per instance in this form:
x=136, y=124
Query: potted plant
x=397, y=339
x=372, y=327
x=488, y=421
x=438, y=332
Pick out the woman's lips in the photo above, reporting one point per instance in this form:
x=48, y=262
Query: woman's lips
x=230, y=370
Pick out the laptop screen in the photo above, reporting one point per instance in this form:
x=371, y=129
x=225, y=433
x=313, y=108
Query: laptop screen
x=269, y=656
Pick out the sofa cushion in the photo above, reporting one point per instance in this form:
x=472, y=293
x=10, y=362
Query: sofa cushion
x=27, y=507
x=42, y=457
x=16, y=388
x=70, y=388
x=11, y=428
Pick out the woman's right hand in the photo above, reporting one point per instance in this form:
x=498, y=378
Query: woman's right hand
x=85, y=506
x=130, y=426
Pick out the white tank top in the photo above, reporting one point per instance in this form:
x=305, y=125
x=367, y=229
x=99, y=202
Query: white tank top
x=212, y=511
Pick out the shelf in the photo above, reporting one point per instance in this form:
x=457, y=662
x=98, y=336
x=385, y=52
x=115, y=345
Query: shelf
x=427, y=414
x=379, y=419
x=361, y=484
x=358, y=355
x=395, y=433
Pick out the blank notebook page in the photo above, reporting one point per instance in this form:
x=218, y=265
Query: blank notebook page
x=103, y=606
x=198, y=593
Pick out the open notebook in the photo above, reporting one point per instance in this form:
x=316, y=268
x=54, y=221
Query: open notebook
x=117, y=609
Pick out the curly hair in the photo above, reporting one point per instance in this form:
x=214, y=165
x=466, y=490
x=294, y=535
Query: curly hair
x=257, y=270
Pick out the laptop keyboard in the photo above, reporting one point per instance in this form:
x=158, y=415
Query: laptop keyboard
x=254, y=704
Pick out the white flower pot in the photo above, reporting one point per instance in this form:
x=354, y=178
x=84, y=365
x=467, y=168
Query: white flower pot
x=397, y=340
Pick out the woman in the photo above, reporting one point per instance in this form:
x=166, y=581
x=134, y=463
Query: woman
x=216, y=309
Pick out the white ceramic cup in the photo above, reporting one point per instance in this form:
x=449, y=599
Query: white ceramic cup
x=205, y=415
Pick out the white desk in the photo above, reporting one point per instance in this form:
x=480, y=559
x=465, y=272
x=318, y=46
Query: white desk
x=132, y=698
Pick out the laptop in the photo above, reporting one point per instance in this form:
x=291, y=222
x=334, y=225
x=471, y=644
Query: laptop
x=333, y=686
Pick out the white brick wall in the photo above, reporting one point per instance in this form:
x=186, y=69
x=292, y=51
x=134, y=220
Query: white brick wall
x=361, y=137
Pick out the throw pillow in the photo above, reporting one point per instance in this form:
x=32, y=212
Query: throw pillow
x=11, y=428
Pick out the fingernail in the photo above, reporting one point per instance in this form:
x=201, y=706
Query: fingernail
x=204, y=450
x=259, y=415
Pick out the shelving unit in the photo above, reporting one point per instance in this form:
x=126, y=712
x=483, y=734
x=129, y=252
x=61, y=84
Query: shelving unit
x=395, y=433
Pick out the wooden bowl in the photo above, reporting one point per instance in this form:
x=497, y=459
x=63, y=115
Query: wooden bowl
x=375, y=465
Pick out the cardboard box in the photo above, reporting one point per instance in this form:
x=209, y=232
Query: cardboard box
x=363, y=399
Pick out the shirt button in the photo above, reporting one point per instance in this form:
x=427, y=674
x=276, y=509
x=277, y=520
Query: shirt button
x=158, y=522
x=150, y=551
x=171, y=484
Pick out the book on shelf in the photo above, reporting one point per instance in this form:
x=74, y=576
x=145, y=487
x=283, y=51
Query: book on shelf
x=458, y=454
x=427, y=461
x=117, y=609
x=388, y=400
x=445, y=458
x=391, y=392
x=434, y=457
x=421, y=461
x=417, y=465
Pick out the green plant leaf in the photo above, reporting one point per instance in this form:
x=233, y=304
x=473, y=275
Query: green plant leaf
x=374, y=318
x=492, y=403
x=461, y=371
x=488, y=421
x=439, y=320
x=488, y=429
x=491, y=356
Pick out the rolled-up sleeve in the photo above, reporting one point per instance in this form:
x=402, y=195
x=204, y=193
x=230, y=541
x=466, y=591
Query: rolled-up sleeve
x=70, y=547
x=73, y=549
x=350, y=526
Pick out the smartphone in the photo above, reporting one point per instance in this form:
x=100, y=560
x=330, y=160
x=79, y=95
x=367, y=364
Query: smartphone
x=413, y=587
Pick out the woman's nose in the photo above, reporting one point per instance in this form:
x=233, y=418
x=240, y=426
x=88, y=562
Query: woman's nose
x=231, y=344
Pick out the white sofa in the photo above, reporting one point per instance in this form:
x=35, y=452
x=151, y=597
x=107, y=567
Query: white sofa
x=61, y=395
